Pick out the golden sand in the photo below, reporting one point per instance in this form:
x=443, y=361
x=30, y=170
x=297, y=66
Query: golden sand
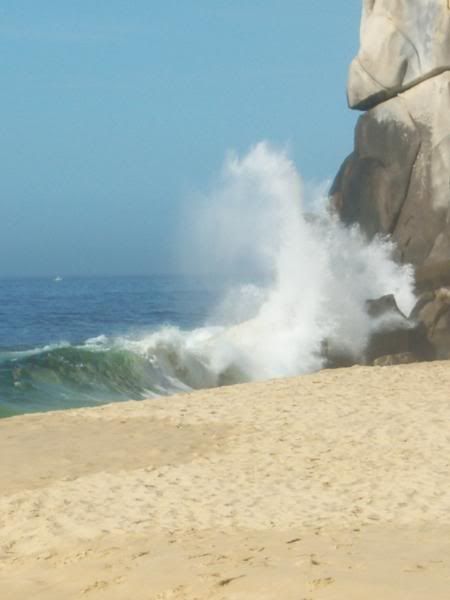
x=334, y=485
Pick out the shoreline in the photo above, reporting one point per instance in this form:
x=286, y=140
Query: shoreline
x=329, y=485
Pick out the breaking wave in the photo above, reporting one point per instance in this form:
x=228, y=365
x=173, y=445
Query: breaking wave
x=295, y=278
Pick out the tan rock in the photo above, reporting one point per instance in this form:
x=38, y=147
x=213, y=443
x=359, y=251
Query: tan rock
x=435, y=316
x=397, y=180
x=402, y=43
x=432, y=276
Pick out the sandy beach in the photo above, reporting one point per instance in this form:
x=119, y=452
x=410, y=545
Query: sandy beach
x=334, y=485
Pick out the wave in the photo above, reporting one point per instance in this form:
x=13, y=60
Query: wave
x=296, y=279
x=106, y=369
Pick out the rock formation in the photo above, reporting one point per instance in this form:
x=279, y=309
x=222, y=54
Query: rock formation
x=433, y=313
x=403, y=42
x=397, y=180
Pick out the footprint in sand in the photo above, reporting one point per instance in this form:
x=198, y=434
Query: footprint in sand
x=322, y=582
x=98, y=585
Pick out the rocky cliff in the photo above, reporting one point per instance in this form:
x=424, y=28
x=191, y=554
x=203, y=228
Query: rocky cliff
x=403, y=42
x=397, y=180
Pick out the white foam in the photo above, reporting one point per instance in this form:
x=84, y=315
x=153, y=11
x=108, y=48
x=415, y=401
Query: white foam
x=295, y=281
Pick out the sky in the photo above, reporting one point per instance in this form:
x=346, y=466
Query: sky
x=114, y=112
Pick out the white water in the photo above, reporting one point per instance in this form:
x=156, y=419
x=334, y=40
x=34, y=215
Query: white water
x=294, y=281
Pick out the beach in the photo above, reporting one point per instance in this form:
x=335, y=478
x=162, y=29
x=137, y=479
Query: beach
x=333, y=485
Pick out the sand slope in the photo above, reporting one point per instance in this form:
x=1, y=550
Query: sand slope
x=332, y=485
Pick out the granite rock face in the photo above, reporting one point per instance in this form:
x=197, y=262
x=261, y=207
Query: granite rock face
x=433, y=312
x=397, y=180
x=402, y=43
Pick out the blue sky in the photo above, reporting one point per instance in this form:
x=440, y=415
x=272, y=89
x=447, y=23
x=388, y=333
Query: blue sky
x=115, y=111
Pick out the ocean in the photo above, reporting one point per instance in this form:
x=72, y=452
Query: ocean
x=288, y=280
x=68, y=342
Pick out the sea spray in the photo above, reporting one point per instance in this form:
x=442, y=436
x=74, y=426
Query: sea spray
x=308, y=275
x=293, y=279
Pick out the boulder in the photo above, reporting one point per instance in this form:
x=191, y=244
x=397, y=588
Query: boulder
x=431, y=277
x=407, y=338
x=433, y=313
x=394, y=335
x=425, y=335
x=397, y=180
x=402, y=42
x=395, y=339
x=386, y=306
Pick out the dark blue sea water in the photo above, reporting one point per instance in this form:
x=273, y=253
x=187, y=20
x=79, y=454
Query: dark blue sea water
x=82, y=341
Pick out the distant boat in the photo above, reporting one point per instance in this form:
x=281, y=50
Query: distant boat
x=58, y=278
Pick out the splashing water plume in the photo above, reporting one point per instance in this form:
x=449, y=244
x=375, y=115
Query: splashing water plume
x=294, y=279
x=306, y=277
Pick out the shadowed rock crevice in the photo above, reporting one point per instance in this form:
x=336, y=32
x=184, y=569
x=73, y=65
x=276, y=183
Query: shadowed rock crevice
x=374, y=182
